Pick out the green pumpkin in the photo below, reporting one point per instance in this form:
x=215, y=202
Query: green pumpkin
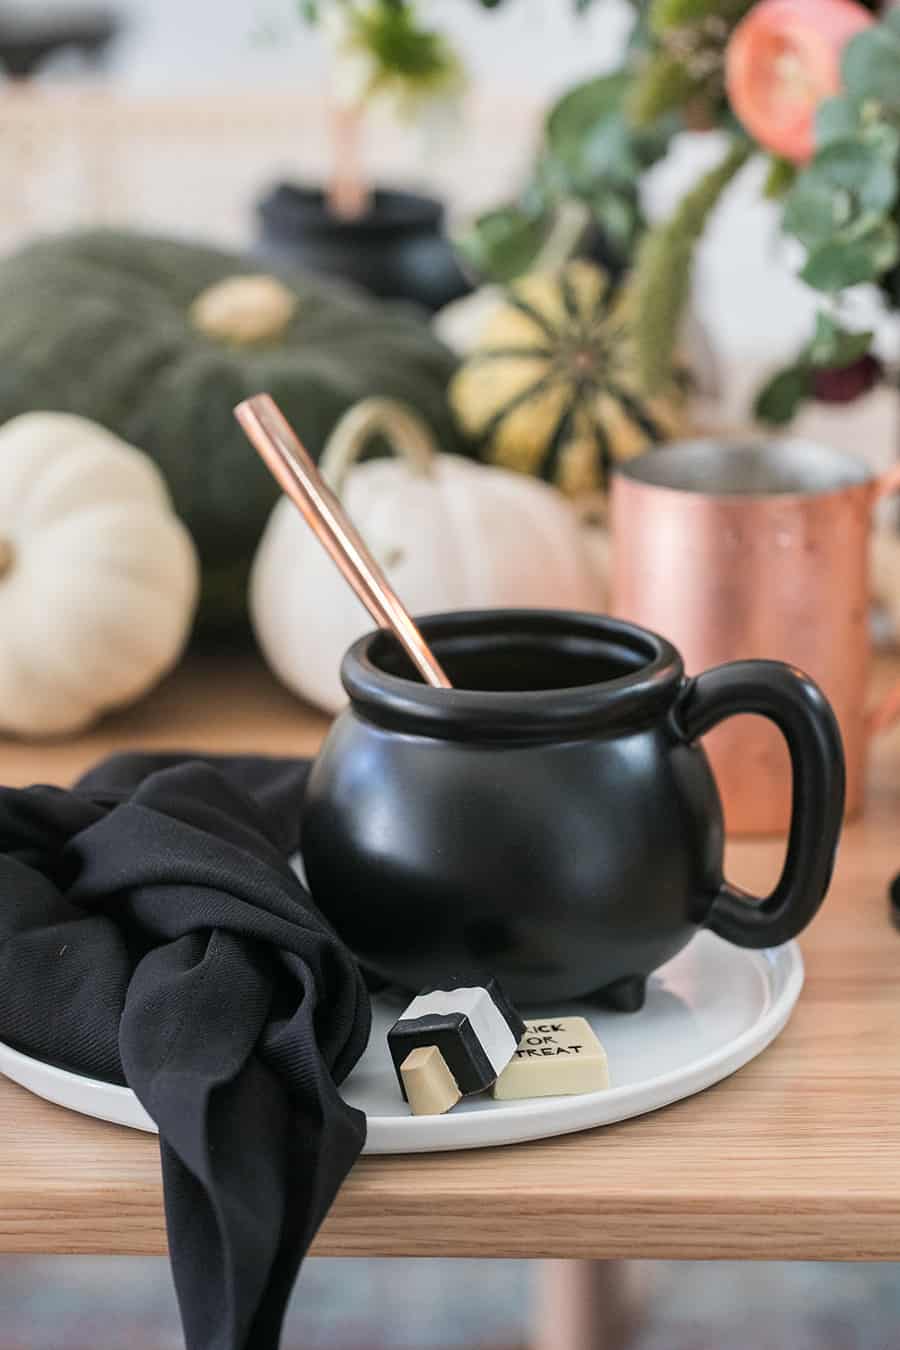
x=158, y=340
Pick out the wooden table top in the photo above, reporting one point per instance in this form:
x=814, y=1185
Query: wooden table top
x=796, y=1156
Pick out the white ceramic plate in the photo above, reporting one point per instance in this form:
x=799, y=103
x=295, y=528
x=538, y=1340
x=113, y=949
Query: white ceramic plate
x=708, y=1012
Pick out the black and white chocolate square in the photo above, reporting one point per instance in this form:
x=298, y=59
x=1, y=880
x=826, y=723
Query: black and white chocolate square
x=475, y=1028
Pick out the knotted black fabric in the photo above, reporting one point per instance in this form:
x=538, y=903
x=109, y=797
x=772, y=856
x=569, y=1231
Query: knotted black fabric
x=152, y=932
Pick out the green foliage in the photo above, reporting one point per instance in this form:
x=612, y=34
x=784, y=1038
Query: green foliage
x=591, y=154
x=841, y=207
x=401, y=47
x=838, y=117
x=844, y=207
x=871, y=63
x=842, y=263
x=578, y=5
x=664, y=86
x=408, y=60
x=591, y=139
x=779, y=400
x=663, y=271
x=681, y=66
x=665, y=15
x=503, y=243
x=832, y=347
x=780, y=177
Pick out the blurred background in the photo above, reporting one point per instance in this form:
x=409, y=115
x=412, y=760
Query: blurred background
x=202, y=106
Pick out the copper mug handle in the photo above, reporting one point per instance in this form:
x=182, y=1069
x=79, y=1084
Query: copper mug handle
x=887, y=711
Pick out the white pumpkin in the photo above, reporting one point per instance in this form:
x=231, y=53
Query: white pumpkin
x=98, y=577
x=450, y=533
x=460, y=322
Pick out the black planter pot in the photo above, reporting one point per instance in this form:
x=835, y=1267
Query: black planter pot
x=26, y=41
x=398, y=250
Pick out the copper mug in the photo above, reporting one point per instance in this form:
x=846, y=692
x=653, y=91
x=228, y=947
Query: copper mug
x=742, y=550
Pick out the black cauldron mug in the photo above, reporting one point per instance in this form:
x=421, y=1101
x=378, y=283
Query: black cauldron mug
x=552, y=818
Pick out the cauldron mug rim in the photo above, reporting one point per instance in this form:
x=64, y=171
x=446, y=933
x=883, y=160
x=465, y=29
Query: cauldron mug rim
x=643, y=674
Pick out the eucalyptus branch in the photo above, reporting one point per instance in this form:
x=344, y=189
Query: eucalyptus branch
x=662, y=278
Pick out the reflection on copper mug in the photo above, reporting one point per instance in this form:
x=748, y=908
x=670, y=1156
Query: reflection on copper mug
x=737, y=551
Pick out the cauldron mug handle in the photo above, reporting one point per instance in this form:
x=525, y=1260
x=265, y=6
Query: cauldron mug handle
x=804, y=716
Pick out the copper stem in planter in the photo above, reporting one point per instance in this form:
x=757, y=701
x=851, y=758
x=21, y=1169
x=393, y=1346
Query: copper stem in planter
x=275, y=440
x=347, y=196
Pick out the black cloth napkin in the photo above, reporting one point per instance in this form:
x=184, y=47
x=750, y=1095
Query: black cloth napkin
x=153, y=933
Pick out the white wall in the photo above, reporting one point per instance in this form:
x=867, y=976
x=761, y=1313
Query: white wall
x=539, y=44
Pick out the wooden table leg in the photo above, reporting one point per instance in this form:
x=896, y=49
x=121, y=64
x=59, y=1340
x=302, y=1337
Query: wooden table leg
x=582, y=1305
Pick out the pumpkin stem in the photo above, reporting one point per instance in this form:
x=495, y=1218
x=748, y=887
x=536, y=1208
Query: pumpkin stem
x=407, y=435
x=7, y=556
x=243, y=311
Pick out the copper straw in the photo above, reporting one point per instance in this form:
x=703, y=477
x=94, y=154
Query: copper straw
x=276, y=442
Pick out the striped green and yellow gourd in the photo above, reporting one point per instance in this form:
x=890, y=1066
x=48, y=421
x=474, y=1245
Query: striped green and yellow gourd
x=552, y=386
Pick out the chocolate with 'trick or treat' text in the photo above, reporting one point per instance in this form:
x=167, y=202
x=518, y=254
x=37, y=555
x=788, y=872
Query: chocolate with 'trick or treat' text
x=557, y=1056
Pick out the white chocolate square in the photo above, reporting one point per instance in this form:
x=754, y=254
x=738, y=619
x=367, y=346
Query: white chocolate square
x=557, y=1056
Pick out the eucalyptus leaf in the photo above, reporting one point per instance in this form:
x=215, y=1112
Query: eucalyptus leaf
x=839, y=264
x=652, y=143
x=871, y=64
x=885, y=139
x=620, y=221
x=862, y=226
x=847, y=190
x=813, y=213
x=778, y=401
x=837, y=117
x=587, y=132
x=833, y=347
x=579, y=111
x=550, y=181
x=861, y=165
x=502, y=244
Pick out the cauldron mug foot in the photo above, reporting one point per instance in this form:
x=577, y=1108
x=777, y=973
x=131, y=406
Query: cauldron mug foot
x=625, y=995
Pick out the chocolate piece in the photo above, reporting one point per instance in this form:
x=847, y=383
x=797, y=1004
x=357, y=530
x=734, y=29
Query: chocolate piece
x=474, y=1027
x=428, y=1084
x=557, y=1056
